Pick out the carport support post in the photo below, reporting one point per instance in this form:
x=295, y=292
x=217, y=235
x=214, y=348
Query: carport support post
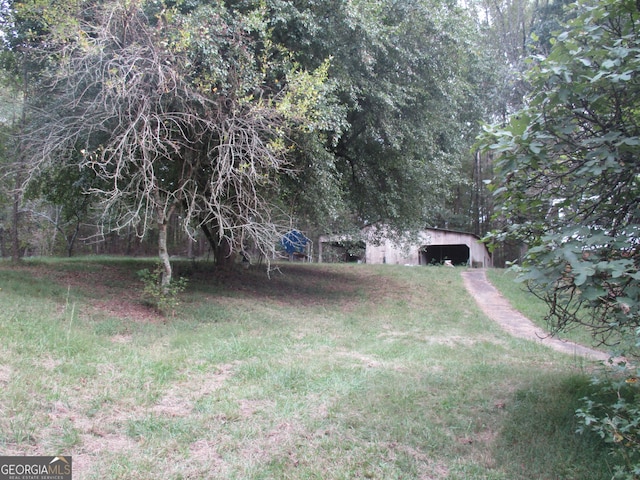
x=320, y=242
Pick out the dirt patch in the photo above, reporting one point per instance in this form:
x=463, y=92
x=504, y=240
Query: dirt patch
x=122, y=338
x=129, y=309
x=5, y=374
x=248, y=408
x=105, y=433
x=454, y=341
x=427, y=470
x=205, y=452
x=95, y=445
x=366, y=360
x=115, y=291
x=300, y=284
x=50, y=364
x=180, y=399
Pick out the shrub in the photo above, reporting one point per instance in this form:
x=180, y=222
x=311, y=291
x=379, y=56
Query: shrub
x=163, y=298
x=613, y=412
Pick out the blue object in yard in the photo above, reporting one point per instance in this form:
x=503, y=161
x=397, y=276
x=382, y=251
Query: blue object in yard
x=294, y=242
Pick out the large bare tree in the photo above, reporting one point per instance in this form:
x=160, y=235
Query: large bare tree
x=166, y=127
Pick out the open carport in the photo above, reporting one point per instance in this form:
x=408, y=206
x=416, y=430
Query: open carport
x=437, y=254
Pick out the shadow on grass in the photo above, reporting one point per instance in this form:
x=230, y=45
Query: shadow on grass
x=290, y=284
x=538, y=439
x=287, y=284
x=22, y=283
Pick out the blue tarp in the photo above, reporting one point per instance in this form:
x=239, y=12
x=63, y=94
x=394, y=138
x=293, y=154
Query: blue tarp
x=294, y=242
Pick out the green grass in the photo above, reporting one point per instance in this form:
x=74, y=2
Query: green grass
x=321, y=372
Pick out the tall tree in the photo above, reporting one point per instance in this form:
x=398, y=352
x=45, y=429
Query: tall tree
x=408, y=75
x=174, y=111
x=401, y=70
x=66, y=203
x=509, y=32
x=20, y=78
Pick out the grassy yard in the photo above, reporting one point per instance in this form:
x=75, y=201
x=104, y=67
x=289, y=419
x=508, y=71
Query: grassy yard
x=318, y=372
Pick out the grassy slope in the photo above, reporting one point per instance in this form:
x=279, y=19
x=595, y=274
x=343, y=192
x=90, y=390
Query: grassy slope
x=328, y=372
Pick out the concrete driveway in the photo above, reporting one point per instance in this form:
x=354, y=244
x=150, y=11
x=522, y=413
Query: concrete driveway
x=496, y=307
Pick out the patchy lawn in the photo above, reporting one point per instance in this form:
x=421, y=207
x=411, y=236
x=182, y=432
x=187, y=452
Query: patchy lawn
x=316, y=371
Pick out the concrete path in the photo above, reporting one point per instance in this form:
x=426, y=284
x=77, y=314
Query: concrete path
x=496, y=307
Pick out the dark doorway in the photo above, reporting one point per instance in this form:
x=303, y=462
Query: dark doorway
x=437, y=254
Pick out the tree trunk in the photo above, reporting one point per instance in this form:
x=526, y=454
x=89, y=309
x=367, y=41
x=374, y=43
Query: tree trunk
x=220, y=247
x=71, y=239
x=163, y=253
x=15, y=239
x=223, y=253
x=190, y=254
x=16, y=254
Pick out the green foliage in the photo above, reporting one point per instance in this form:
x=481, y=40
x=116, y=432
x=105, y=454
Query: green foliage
x=549, y=18
x=162, y=297
x=65, y=187
x=403, y=152
x=568, y=180
x=613, y=413
x=406, y=76
x=372, y=104
x=185, y=109
x=569, y=184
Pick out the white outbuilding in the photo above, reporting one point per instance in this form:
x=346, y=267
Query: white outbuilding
x=432, y=246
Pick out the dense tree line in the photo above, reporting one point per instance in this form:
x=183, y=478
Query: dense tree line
x=243, y=118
